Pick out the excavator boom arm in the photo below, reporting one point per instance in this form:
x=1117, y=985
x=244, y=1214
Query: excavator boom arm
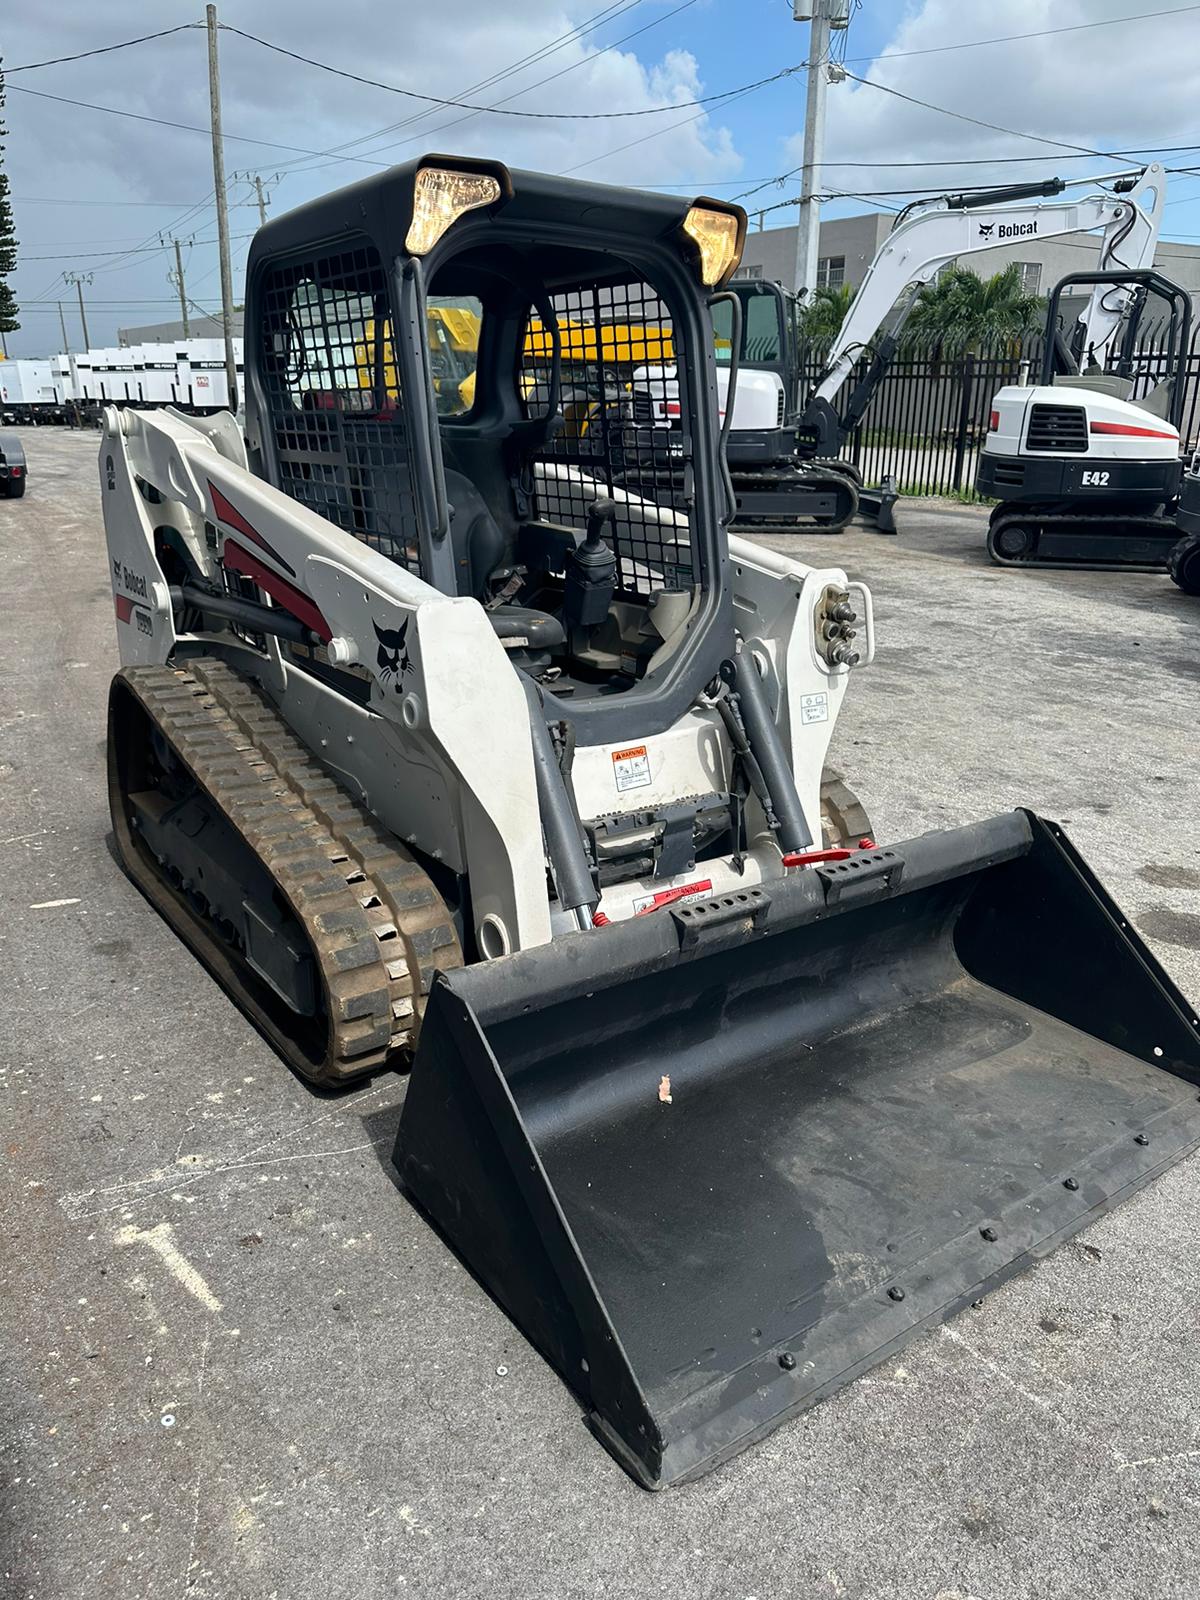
x=920, y=246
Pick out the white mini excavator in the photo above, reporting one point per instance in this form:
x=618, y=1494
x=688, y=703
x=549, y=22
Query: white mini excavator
x=445, y=747
x=784, y=444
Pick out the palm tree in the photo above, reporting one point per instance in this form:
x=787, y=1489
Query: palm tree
x=961, y=311
x=823, y=313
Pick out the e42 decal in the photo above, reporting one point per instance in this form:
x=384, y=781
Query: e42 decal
x=1095, y=480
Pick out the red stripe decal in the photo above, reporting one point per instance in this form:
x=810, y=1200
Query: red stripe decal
x=233, y=518
x=285, y=594
x=667, y=897
x=1127, y=432
x=124, y=607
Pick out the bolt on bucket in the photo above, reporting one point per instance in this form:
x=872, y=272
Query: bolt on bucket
x=717, y=1161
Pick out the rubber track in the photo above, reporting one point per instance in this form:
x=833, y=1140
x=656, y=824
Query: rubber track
x=1157, y=528
x=1184, y=564
x=844, y=819
x=809, y=475
x=378, y=929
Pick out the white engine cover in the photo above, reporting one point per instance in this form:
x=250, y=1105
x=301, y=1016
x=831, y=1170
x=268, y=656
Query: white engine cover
x=1117, y=430
x=757, y=400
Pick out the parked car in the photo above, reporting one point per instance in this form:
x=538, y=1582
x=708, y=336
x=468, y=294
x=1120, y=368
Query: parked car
x=12, y=466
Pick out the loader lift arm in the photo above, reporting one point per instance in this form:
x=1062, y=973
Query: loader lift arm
x=944, y=230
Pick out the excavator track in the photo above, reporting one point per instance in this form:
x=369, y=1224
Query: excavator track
x=1184, y=564
x=1015, y=539
x=817, y=475
x=847, y=469
x=356, y=928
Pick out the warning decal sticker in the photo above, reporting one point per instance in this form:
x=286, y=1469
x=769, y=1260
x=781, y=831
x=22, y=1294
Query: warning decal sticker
x=814, y=708
x=631, y=768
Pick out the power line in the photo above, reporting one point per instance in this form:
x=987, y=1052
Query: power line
x=960, y=116
x=994, y=127
x=589, y=25
x=657, y=134
x=127, y=257
x=516, y=94
x=973, y=161
x=101, y=50
x=727, y=97
x=1010, y=38
x=873, y=196
x=498, y=110
x=45, y=200
x=139, y=250
x=186, y=127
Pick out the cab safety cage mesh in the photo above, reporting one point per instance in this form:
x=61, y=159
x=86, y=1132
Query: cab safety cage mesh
x=337, y=417
x=625, y=429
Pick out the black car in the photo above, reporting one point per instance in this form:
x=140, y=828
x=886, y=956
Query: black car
x=12, y=466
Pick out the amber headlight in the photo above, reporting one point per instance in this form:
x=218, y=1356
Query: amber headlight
x=439, y=197
x=720, y=236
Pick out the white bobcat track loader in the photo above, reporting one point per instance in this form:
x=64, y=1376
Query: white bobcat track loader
x=784, y=443
x=441, y=745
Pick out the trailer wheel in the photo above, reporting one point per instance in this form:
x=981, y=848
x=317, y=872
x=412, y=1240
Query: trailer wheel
x=15, y=488
x=844, y=820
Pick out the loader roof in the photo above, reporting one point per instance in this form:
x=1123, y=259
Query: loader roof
x=382, y=206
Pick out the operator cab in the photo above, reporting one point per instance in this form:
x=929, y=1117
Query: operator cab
x=770, y=334
x=470, y=413
x=1154, y=305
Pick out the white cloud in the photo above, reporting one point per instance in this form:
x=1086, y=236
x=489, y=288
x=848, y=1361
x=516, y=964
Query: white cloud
x=60, y=151
x=1105, y=88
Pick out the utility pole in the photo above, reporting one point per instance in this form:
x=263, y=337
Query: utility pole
x=79, y=279
x=218, y=153
x=262, y=205
x=62, y=322
x=823, y=16
x=177, y=280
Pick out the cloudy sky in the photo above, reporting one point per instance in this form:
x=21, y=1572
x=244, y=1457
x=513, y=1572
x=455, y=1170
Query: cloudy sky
x=94, y=192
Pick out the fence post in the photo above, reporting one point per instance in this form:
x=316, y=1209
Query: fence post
x=964, y=419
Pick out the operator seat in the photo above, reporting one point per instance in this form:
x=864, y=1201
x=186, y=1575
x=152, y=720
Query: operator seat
x=1159, y=400
x=479, y=550
x=475, y=535
x=1109, y=383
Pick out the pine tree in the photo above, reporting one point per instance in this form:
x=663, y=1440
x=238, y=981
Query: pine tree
x=8, y=241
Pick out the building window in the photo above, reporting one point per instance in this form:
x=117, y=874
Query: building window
x=1031, y=276
x=831, y=272
x=746, y=270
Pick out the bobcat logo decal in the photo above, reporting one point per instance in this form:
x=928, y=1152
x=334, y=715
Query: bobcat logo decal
x=986, y=229
x=392, y=658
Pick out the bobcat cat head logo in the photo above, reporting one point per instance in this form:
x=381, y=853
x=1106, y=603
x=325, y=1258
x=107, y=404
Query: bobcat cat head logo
x=392, y=658
x=986, y=229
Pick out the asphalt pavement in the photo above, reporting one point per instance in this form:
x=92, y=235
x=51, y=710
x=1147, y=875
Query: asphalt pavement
x=234, y=1361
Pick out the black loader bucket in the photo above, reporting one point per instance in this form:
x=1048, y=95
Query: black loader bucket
x=893, y=1083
